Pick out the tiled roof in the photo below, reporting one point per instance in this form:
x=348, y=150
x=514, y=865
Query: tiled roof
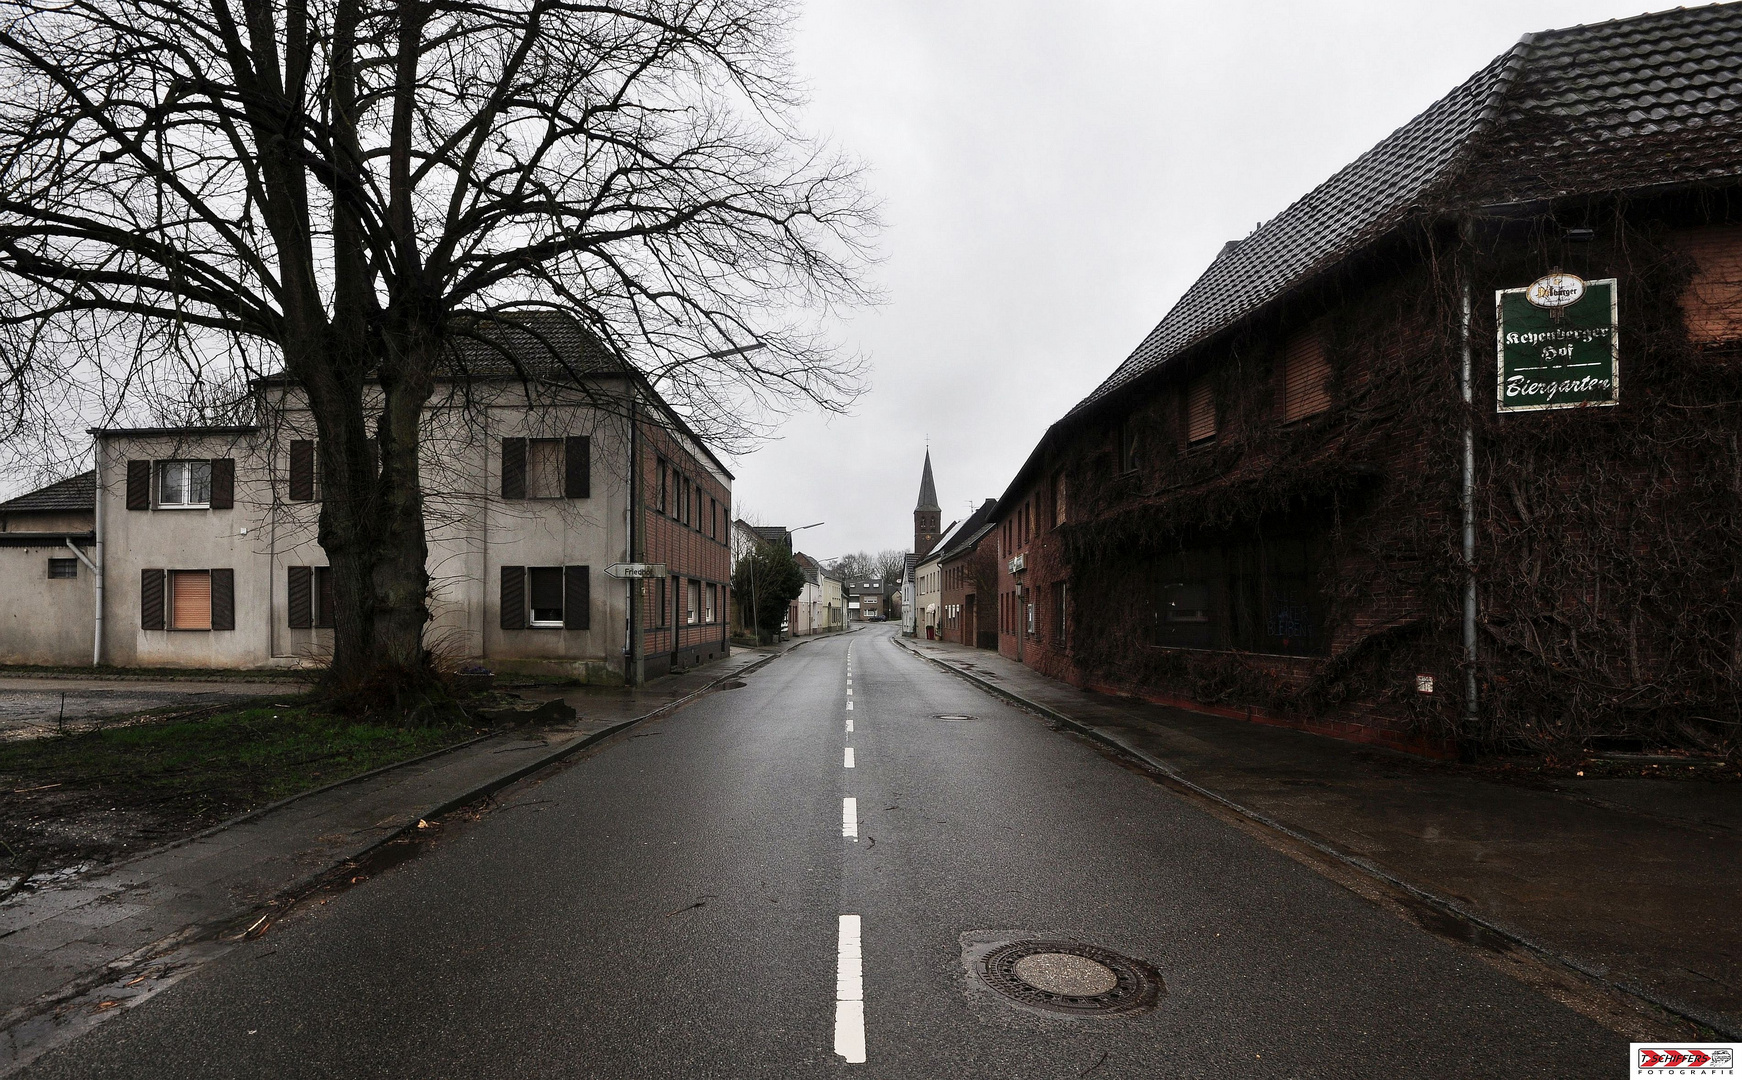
x=74, y=493
x=533, y=342
x=1632, y=103
x=976, y=526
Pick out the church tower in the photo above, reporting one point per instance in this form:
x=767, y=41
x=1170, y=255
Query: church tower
x=927, y=516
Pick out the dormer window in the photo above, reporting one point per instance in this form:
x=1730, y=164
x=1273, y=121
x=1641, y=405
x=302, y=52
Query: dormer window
x=184, y=483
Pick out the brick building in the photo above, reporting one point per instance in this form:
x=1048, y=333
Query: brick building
x=1311, y=495
x=968, y=569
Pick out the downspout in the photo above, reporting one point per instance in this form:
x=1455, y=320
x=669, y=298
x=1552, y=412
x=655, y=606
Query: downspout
x=1468, y=501
x=637, y=639
x=97, y=567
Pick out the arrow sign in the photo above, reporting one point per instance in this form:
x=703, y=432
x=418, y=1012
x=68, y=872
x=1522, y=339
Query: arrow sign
x=636, y=570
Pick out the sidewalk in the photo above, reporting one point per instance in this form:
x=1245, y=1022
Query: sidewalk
x=61, y=942
x=1635, y=882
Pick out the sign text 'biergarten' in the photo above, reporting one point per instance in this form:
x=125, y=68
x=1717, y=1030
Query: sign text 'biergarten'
x=1558, y=346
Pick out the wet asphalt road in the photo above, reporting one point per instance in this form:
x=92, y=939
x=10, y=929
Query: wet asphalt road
x=669, y=908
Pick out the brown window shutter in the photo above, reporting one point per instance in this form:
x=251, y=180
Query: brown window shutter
x=324, y=604
x=1712, y=304
x=1306, y=375
x=577, y=598
x=514, y=469
x=300, y=596
x=302, y=470
x=513, y=597
x=151, y=600
x=223, y=483
x=223, y=598
x=139, y=487
x=578, y=467
x=1200, y=410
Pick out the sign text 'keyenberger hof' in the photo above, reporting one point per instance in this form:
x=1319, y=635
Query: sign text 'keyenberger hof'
x=1558, y=344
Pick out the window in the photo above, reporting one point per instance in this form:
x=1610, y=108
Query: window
x=1127, y=445
x=1261, y=596
x=712, y=598
x=547, y=468
x=660, y=608
x=1200, y=410
x=544, y=589
x=63, y=568
x=1028, y=605
x=184, y=483
x=1712, y=304
x=664, y=482
x=695, y=602
x=1059, y=597
x=554, y=596
x=544, y=468
x=1306, y=375
x=190, y=599
x=1058, y=498
x=714, y=518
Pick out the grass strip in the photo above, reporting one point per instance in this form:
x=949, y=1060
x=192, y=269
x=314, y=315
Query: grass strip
x=223, y=764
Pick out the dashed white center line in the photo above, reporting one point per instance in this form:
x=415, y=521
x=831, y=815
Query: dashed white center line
x=850, y=817
x=850, y=993
x=849, y=691
x=849, y=762
x=849, y=706
x=849, y=724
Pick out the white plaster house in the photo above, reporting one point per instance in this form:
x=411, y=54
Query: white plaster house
x=542, y=455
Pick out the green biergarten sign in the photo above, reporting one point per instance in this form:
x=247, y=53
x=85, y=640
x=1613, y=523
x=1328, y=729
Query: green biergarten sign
x=1558, y=347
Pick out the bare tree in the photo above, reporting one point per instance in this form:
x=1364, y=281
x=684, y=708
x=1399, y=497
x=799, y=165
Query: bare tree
x=192, y=194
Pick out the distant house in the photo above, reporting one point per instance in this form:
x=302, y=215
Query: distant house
x=1335, y=488
x=203, y=538
x=968, y=570
x=819, y=609
x=865, y=600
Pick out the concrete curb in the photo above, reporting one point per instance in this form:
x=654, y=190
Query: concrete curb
x=1452, y=908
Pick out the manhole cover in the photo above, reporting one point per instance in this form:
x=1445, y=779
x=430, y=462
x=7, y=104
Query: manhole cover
x=1067, y=977
x=954, y=716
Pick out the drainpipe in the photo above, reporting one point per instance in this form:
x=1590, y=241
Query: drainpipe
x=1468, y=501
x=637, y=639
x=97, y=567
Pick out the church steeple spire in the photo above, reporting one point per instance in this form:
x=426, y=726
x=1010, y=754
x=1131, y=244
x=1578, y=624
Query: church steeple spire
x=928, y=492
x=927, y=514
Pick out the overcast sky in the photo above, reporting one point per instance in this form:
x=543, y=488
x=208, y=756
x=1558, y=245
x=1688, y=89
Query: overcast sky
x=1054, y=175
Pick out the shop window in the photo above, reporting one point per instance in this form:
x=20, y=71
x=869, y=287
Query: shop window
x=63, y=568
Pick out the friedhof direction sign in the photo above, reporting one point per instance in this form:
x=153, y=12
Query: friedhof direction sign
x=1558, y=346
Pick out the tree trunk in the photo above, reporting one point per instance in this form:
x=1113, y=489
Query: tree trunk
x=371, y=524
